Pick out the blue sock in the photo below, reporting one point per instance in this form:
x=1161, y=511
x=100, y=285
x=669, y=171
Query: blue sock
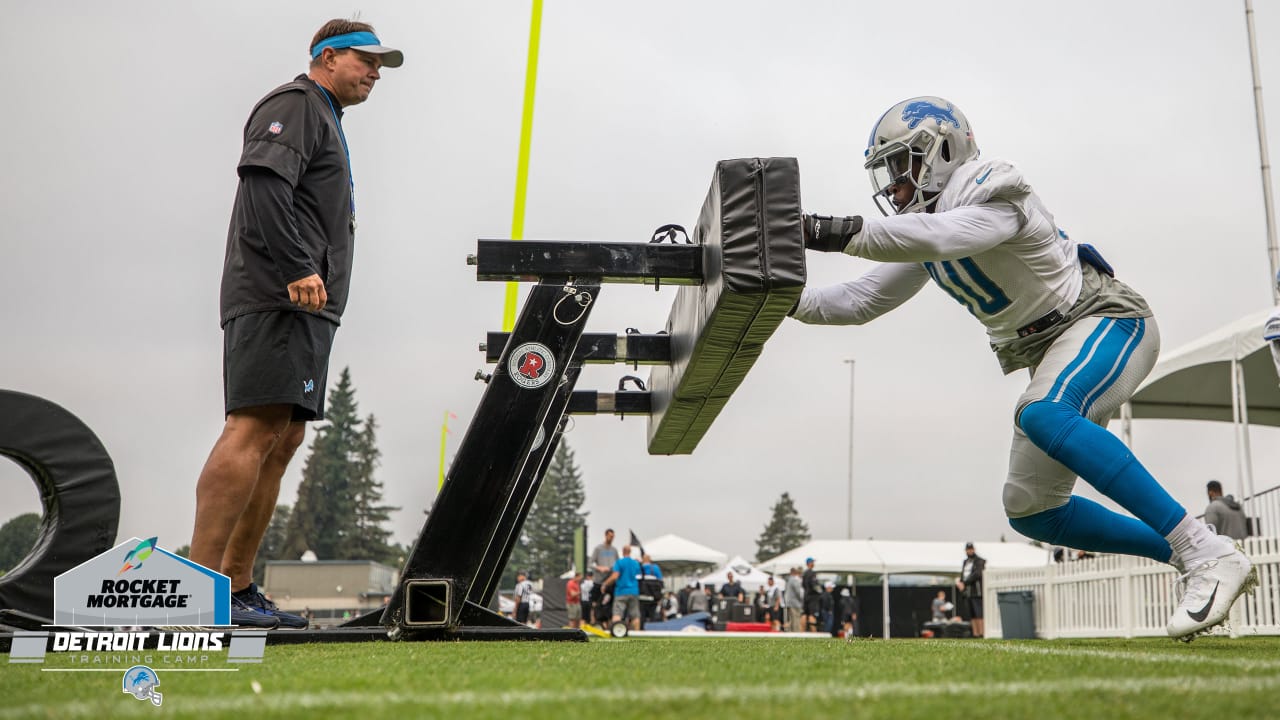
x=1102, y=460
x=1086, y=525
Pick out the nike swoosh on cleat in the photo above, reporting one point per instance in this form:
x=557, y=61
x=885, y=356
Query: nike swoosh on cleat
x=1203, y=612
x=983, y=179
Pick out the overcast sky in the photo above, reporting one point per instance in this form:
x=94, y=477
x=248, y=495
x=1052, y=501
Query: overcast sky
x=1133, y=121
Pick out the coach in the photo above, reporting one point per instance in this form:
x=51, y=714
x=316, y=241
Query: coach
x=284, y=288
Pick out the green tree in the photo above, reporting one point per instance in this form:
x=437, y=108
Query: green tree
x=370, y=539
x=323, y=514
x=785, y=530
x=272, y=547
x=184, y=551
x=17, y=537
x=546, y=541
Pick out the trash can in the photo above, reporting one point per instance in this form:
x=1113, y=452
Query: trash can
x=1017, y=614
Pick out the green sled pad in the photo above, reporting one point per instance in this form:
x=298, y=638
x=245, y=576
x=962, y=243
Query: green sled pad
x=753, y=260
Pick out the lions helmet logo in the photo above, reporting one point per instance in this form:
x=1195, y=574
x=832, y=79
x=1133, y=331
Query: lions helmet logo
x=141, y=682
x=532, y=365
x=921, y=110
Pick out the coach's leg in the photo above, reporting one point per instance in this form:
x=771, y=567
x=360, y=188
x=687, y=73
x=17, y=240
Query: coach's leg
x=230, y=476
x=242, y=548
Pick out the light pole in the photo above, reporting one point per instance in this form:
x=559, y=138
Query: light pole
x=850, y=363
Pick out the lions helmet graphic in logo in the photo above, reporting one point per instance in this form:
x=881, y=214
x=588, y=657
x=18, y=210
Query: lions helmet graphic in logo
x=531, y=365
x=141, y=682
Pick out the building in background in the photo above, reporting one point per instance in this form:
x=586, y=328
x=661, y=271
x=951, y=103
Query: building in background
x=332, y=591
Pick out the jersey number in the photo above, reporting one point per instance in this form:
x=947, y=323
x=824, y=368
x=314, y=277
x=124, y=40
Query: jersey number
x=968, y=285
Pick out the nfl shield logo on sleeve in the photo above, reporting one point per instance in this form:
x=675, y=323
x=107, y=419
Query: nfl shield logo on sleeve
x=276, y=128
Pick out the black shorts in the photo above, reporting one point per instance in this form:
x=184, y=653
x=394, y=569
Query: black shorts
x=277, y=358
x=813, y=605
x=975, y=607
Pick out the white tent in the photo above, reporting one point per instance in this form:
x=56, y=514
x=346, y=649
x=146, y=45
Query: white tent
x=894, y=557
x=891, y=557
x=1226, y=375
x=673, y=549
x=748, y=576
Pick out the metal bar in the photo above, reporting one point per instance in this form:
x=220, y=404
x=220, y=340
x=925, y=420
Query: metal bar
x=485, y=488
x=590, y=402
x=532, y=260
x=600, y=348
x=1273, y=256
x=489, y=575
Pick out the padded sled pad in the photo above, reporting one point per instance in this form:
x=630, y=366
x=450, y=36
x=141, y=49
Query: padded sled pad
x=753, y=260
x=78, y=488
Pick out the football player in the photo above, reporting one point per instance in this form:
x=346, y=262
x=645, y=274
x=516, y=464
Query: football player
x=976, y=229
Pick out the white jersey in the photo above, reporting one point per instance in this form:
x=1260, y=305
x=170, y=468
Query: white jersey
x=990, y=244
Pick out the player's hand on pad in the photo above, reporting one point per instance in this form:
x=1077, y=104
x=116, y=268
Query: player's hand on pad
x=825, y=233
x=308, y=293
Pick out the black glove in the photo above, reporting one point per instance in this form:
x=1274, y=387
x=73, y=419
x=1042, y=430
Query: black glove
x=825, y=233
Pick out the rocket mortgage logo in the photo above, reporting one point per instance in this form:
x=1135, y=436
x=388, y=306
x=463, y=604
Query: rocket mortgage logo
x=138, y=611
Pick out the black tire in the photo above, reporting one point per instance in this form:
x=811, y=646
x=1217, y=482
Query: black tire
x=78, y=489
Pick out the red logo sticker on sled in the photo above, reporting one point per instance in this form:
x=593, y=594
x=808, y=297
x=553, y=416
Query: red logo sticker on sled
x=532, y=365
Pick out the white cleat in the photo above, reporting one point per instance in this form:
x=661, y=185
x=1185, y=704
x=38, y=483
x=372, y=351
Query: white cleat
x=1211, y=588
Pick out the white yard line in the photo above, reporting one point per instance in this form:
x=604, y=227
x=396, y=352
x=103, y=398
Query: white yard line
x=516, y=699
x=1187, y=655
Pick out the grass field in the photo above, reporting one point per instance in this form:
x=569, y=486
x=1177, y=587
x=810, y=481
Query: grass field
x=665, y=678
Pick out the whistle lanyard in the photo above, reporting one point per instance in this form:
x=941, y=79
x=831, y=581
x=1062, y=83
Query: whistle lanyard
x=351, y=181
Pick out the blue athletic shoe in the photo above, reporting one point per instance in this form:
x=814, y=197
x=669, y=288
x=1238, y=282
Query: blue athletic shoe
x=243, y=615
x=255, y=600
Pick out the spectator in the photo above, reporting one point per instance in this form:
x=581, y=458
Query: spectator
x=970, y=585
x=670, y=607
x=772, y=604
x=698, y=600
x=602, y=560
x=625, y=580
x=732, y=589
x=846, y=614
x=524, y=590
x=828, y=608
x=588, y=586
x=939, y=607
x=793, y=601
x=812, y=596
x=651, y=587
x=535, y=609
x=759, y=605
x=573, y=600
x=1224, y=513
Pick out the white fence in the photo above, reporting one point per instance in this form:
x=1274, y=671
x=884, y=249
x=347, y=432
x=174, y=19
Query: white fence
x=1123, y=596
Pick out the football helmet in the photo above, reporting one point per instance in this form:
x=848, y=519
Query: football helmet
x=928, y=129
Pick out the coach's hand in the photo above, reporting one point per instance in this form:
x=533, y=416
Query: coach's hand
x=825, y=233
x=308, y=293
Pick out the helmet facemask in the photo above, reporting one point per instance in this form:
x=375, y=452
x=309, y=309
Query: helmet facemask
x=903, y=161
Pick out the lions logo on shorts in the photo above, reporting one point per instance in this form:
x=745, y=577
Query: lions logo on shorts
x=532, y=365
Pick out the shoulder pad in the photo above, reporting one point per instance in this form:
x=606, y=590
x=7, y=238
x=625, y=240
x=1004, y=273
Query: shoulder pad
x=979, y=181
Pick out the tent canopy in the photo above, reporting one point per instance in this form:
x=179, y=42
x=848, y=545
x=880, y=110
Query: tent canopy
x=748, y=576
x=888, y=557
x=675, y=549
x=1193, y=382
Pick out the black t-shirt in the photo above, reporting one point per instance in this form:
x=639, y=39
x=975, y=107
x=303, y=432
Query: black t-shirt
x=293, y=214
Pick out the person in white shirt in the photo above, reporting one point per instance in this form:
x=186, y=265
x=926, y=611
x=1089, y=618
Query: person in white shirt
x=977, y=229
